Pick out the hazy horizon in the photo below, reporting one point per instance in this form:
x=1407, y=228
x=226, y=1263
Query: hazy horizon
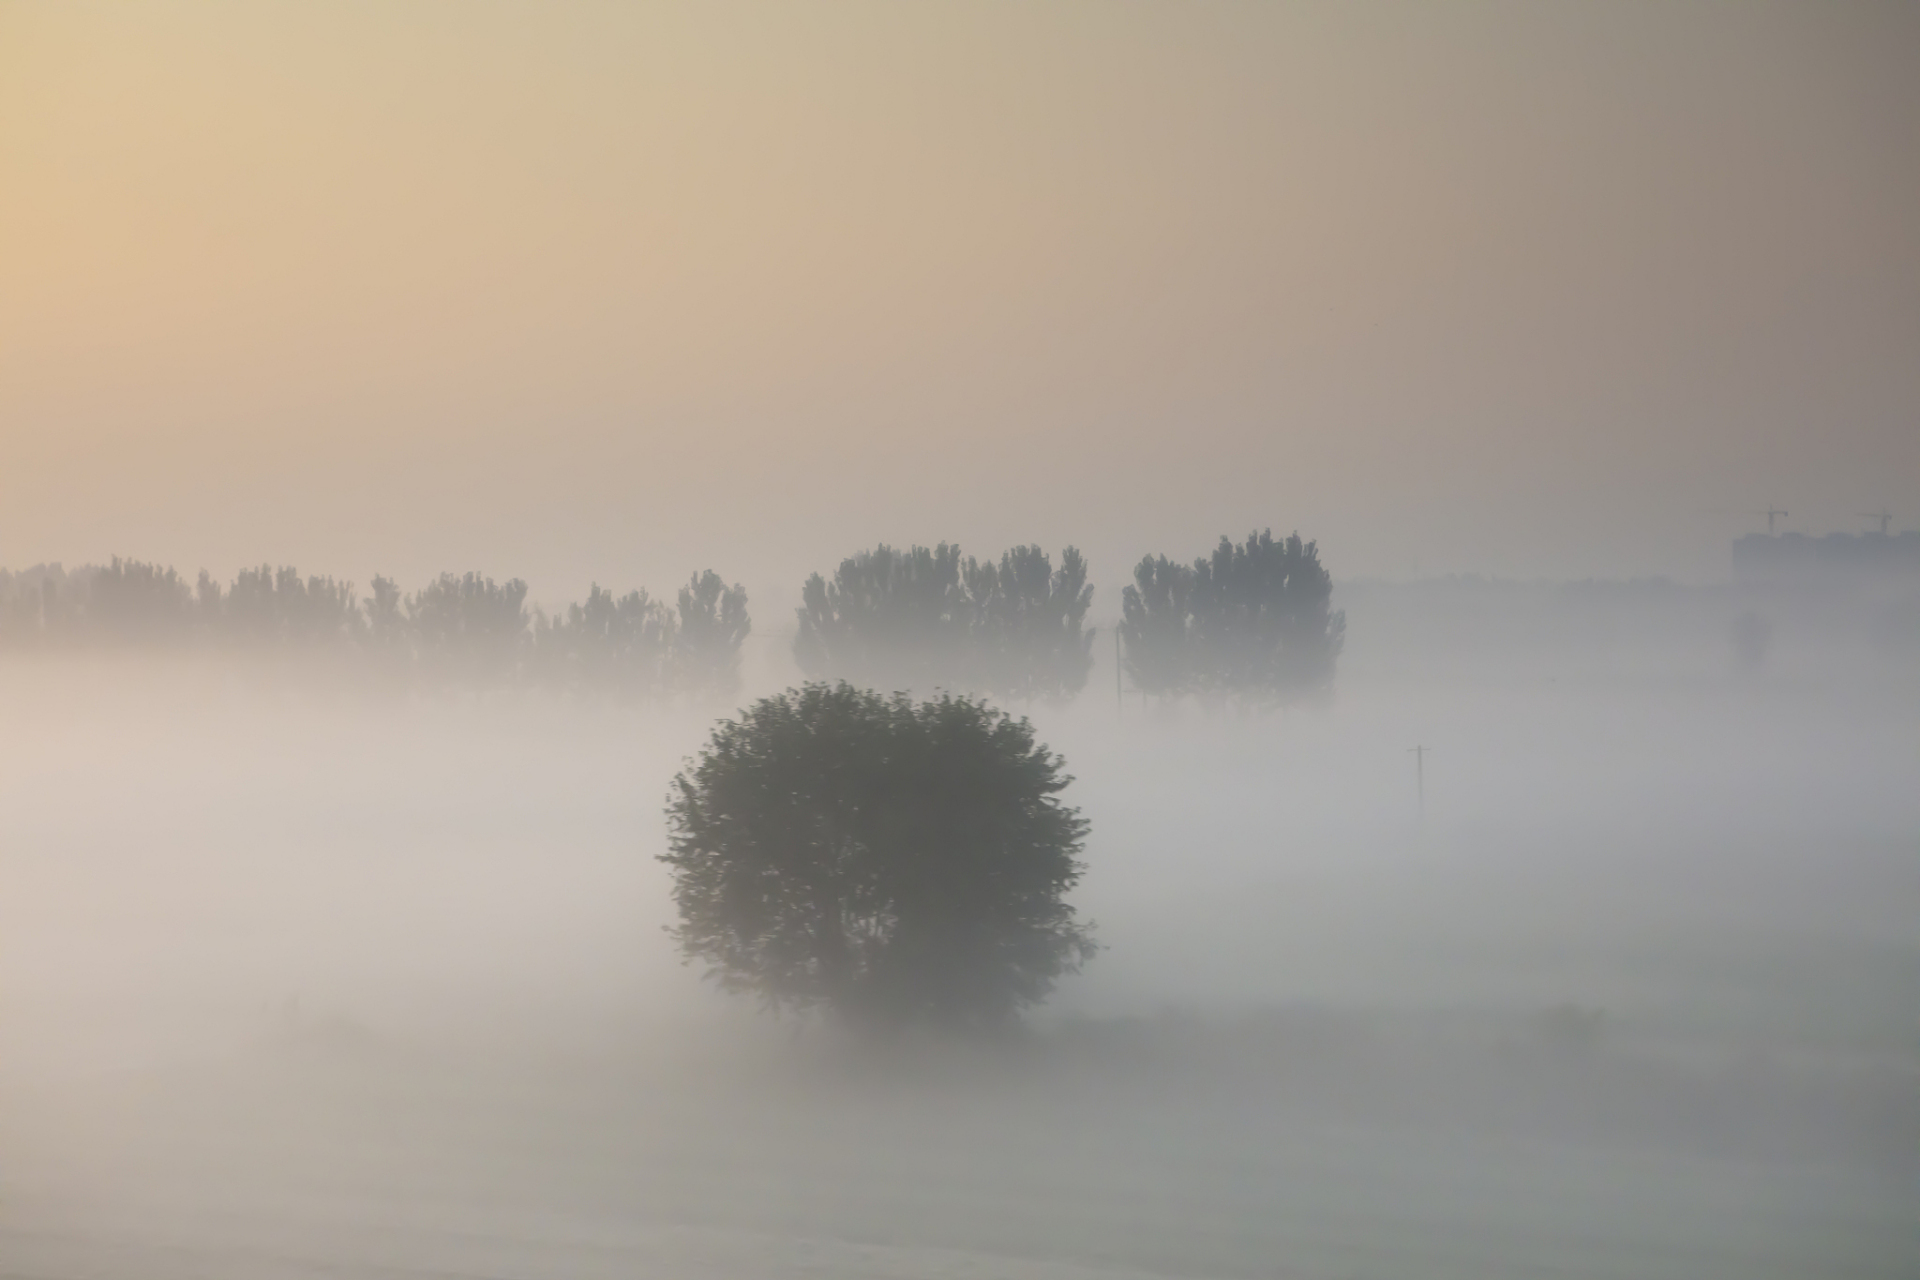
x=614, y=294
x=1512, y=886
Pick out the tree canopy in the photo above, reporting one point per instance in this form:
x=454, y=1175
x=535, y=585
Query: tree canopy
x=620, y=644
x=927, y=618
x=886, y=860
x=1254, y=622
x=713, y=624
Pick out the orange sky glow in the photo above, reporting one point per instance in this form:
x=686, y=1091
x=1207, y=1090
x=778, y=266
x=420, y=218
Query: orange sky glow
x=585, y=291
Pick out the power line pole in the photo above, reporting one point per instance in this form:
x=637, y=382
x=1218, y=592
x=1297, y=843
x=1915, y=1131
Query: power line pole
x=1419, y=755
x=1119, y=694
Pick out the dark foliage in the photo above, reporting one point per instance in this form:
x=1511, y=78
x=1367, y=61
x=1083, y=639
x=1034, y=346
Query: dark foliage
x=889, y=618
x=892, y=861
x=1027, y=623
x=926, y=619
x=1252, y=623
x=713, y=625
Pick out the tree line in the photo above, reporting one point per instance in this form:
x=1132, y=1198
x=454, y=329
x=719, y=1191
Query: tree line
x=925, y=618
x=885, y=861
x=461, y=629
x=1251, y=624
x=1254, y=621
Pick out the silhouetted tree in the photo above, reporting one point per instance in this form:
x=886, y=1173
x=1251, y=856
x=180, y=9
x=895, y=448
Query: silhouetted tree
x=888, y=860
x=888, y=618
x=468, y=626
x=129, y=601
x=1155, y=614
x=1254, y=622
x=713, y=624
x=273, y=606
x=618, y=645
x=386, y=624
x=1027, y=624
x=209, y=604
x=926, y=618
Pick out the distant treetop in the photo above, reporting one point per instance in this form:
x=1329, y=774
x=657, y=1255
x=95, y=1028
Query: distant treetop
x=927, y=618
x=1251, y=623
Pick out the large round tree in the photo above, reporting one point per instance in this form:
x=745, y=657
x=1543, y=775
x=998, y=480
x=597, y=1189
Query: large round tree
x=889, y=860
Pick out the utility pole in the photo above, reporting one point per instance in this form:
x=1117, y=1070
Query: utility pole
x=1419, y=755
x=1119, y=694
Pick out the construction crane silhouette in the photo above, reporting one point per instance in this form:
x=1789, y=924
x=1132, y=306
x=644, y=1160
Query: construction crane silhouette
x=1770, y=513
x=1884, y=516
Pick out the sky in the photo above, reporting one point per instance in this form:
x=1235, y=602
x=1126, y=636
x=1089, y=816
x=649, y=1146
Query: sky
x=596, y=292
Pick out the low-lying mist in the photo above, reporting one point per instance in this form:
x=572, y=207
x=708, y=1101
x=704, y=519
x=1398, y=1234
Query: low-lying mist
x=1618, y=978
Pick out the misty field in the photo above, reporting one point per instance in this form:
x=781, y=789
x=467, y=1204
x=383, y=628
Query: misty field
x=298, y=981
x=499, y=499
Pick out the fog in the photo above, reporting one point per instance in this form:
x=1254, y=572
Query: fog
x=301, y=975
x=418, y=428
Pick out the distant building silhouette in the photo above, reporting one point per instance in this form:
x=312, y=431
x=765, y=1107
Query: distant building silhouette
x=1760, y=557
